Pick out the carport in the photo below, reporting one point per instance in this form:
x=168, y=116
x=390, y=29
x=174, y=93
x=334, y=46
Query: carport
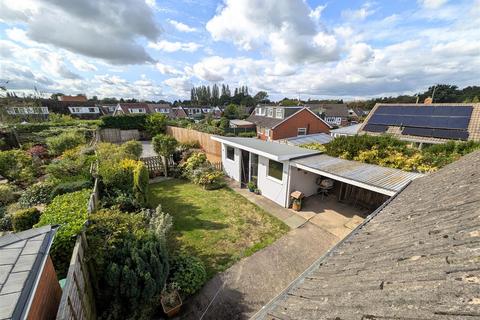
x=355, y=183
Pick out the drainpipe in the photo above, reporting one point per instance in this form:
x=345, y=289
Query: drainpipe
x=287, y=196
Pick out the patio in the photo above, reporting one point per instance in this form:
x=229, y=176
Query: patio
x=331, y=215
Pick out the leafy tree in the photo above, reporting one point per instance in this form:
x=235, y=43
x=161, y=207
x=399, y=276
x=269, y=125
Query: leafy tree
x=261, y=96
x=231, y=111
x=156, y=123
x=165, y=146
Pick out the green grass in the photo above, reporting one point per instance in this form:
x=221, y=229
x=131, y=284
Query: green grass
x=218, y=226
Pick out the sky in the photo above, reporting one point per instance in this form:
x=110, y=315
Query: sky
x=152, y=49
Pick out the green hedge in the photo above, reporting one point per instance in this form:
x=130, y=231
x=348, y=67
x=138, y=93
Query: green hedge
x=70, y=212
x=25, y=219
x=125, y=122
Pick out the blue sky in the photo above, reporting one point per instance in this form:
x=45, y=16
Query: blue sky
x=151, y=49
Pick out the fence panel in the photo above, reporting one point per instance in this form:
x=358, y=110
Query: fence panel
x=118, y=136
x=94, y=200
x=213, y=149
x=77, y=298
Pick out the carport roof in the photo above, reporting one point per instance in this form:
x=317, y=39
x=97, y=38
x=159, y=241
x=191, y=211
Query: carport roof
x=383, y=180
x=272, y=150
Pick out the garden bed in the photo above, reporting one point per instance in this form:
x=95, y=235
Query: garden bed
x=218, y=226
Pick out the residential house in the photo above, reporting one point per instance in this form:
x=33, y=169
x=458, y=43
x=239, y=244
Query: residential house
x=178, y=113
x=281, y=122
x=336, y=115
x=357, y=113
x=28, y=111
x=425, y=123
x=416, y=257
x=280, y=169
x=108, y=109
x=29, y=288
x=346, y=131
x=77, y=98
x=163, y=108
x=132, y=108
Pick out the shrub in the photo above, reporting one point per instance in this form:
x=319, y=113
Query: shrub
x=70, y=212
x=314, y=146
x=70, y=186
x=121, y=200
x=188, y=273
x=71, y=166
x=140, y=183
x=7, y=194
x=130, y=262
x=133, y=148
x=25, y=219
x=125, y=122
x=38, y=151
x=156, y=123
x=16, y=165
x=249, y=134
x=39, y=193
x=66, y=140
x=208, y=178
x=165, y=146
x=6, y=222
x=193, y=162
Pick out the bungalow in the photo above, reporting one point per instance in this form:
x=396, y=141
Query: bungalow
x=29, y=288
x=334, y=114
x=280, y=169
x=131, y=108
x=281, y=122
x=163, y=108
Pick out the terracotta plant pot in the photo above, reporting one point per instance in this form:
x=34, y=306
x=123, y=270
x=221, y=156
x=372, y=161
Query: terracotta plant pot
x=297, y=205
x=171, y=311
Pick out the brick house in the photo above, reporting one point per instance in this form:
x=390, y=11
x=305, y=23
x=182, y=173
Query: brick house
x=281, y=122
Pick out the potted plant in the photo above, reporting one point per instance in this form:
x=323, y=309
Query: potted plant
x=257, y=191
x=251, y=186
x=170, y=300
x=297, y=204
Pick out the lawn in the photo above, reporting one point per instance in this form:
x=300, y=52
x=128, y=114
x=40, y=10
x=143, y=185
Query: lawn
x=219, y=226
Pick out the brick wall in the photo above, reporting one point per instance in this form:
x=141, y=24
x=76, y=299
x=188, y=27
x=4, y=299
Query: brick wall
x=47, y=296
x=302, y=119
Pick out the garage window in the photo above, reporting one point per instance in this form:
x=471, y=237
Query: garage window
x=275, y=169
x=230, y=153
x=301, y=131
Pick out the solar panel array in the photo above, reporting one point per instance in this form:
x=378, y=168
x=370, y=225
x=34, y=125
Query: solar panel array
x=447, y=122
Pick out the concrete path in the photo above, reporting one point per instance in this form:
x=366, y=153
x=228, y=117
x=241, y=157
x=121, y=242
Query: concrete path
x=240, y=291
x=147, y=150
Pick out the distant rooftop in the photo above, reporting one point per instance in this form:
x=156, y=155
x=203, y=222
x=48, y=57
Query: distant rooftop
x=348, y=130
x=321, y=138
x=272, y=150
x=22, y=258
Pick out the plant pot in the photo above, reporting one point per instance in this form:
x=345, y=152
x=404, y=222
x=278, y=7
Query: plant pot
x=251, y=189
x=297, y=206
x=171, y=311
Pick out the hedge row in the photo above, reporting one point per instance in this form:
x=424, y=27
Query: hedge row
x=125, y=122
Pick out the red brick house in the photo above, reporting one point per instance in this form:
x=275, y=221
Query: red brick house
x=281, y=122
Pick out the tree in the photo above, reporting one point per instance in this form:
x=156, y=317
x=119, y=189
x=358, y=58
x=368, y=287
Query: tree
x=261, y=96
x=231, y=111
x=156, y=123
x=164, y=145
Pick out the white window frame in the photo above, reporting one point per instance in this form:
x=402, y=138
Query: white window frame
x=301, y=131
x=267, y=133
x=136, y=110
x=268, y=171
x=226, y=153
x=270, y=112
x=279, y=113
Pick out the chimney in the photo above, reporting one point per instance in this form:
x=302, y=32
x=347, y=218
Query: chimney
x=428, y=100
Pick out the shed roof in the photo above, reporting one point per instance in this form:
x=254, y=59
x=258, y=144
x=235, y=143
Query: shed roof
x=383, y=180
x=330, y=109
x=272, y=150
x=22, y=258
x=348, y=130
x=415, y=258
x=321, y=138
x=239, y=122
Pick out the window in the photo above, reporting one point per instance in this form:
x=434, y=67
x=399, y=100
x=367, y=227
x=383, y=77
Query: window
x=275, y=169
x=258, y=111
x=279, y=114
x=137, y=110
x=267, y=132
x=270, y=112
x=301, y=131
x=230, y=153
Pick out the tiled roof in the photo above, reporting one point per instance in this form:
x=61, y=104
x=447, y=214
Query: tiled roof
x=416, y=258
x=22, y=258
x=263, y=121
x=136, y=105
x=330, y=110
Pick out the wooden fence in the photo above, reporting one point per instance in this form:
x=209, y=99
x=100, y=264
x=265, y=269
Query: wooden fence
x=78, y=301
x=117, y=135
x=94, y=200
x=154, y=165
x=213, y=149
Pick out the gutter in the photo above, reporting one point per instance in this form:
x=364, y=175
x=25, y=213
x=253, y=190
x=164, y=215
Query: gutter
x=263, y=312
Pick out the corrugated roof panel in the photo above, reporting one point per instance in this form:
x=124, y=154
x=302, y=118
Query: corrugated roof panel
x=376, y=176
x=321, y=138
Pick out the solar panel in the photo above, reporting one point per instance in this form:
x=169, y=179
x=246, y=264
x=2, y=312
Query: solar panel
x=422, y=132
x=450, y=134
x=423, y=116
x=375, y=128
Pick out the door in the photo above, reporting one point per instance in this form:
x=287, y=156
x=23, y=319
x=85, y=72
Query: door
x=244, y=169
x=254, y=168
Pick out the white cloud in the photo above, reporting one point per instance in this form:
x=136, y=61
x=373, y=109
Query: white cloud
x=95, y=28
x=83, y=65
x=432, y=4
x=359, y=14
x=168, y=46
x=180, y=86
x=317, y=12
x=166, y=69
x=285, y=26
x=180, y=26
